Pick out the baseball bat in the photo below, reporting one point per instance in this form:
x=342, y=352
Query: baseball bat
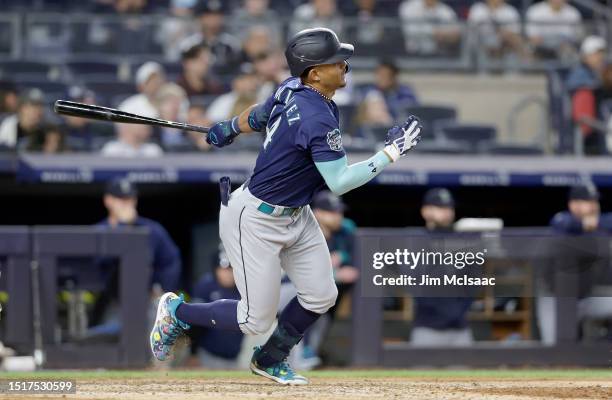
x=91, y=111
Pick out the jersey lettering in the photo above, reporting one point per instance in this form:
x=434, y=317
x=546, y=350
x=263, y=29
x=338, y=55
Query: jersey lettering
x=270, y=129
x=292, y=113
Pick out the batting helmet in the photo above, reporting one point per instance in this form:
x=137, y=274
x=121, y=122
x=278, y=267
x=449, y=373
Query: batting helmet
x=315, y=46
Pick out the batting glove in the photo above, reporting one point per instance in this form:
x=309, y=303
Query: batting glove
x=223, y=133
x=401, y=139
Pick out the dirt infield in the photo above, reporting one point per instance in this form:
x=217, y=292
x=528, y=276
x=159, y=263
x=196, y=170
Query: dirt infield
x=327, y=387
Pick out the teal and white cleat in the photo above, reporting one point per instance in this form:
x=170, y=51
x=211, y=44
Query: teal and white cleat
x=167, y=327
x=280, y=372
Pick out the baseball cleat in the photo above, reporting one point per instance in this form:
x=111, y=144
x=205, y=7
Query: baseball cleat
x=280, y=372
x=167, y=327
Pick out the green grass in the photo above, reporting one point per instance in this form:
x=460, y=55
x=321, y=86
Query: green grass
x=511, y=374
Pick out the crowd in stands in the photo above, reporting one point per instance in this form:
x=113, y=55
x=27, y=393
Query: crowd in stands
x=210, y=59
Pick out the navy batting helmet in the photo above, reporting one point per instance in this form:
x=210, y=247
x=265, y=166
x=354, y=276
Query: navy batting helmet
x=315, y=46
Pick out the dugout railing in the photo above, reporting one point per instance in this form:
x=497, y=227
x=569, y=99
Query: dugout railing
x=35, y=252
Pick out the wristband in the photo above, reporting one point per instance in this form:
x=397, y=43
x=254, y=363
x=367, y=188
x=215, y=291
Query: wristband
x=392, y=151
x=235, y=126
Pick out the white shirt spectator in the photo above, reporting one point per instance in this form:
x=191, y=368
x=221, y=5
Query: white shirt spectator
x=140, y=105
x=506, y=16
x=117, y=148
x=305, y=16
x=488, y=21
x=221, y=107
x=133, y=139
x=420, y=22
x=554, y=26
x=8, y=131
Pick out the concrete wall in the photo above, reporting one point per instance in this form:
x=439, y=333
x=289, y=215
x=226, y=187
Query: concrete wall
x=484, y=98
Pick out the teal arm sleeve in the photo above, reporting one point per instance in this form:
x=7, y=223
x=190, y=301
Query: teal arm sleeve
x=341, y=177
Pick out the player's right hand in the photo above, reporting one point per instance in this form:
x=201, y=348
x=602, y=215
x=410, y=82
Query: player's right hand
x=401, y=139
x=223, y=133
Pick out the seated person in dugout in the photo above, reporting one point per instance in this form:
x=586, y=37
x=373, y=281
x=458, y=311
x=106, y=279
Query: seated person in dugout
x=121, y=200
x=440, y=321
x=582, y=252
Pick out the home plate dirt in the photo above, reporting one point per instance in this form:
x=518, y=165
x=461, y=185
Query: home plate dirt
x=334, y=387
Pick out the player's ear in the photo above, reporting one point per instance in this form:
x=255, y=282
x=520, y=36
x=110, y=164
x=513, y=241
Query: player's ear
x=108, y=201
x=313, y=75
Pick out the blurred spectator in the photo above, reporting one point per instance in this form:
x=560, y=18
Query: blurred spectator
x=133, y=140
x=27, y=129
x=196, y=115
x=171, y=101
x=256, y=12
x=224, y=47
x=243, y=95
x=554, y=29
x=195, y=78
x=583, y=82
x=440, y=321
x=367, y=30
x=109, y=34
x=121, y=6
x=176, y=27
x=498, y=26
x=582, y=218
x=372, y=113
x=271, y=70
x=397, y=96
x=605, y=102
x=217, y=349
x=9, y=100
x=258, y=41
x=82, y=134
x=150, y=77
x=604, y=95
x=430, y=27
x=316, y=13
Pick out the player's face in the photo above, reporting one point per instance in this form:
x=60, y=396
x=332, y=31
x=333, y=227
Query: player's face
x=438, y=217
x=332, y=75
x=584, y=208
x=123, y=209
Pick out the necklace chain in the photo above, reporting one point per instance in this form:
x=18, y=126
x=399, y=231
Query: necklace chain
x=320, y=94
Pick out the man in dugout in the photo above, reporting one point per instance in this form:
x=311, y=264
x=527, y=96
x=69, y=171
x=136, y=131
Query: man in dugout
x=440, y=321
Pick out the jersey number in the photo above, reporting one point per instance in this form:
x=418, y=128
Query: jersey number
x=270, y=131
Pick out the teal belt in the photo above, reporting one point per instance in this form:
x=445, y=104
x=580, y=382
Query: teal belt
x=268, y=209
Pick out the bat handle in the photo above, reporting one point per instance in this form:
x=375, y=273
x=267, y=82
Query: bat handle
x=195, y=128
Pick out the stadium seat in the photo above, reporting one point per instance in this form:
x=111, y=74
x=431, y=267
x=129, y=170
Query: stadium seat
x=173, y=69
x=475, y=136
x=102, y=70
x=431, y=115
x=18, y=70
x=108, y=92
x=52, y=90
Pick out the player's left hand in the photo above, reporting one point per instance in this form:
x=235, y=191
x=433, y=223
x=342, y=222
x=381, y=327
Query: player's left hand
x=223, y=133
x=401, y=139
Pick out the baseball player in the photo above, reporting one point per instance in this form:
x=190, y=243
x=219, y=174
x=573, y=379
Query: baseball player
x=267, y=224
